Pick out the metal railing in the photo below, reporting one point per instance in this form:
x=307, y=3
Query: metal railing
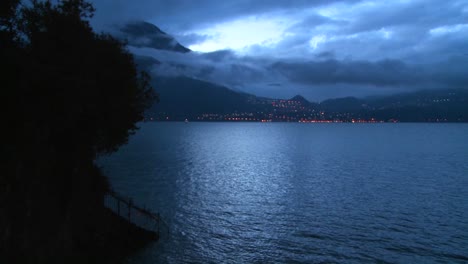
x=141, y=217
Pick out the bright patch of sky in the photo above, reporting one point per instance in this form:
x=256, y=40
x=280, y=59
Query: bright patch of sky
x=448, y=29
x=334, y=11
x=268, y=30
x=242, y=33
x=386, y=34
x=317, y=40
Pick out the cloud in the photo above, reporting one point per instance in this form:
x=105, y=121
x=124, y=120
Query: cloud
x=384, y=73
x=219, y=56
x=189, y=39
x=359, y=30
x=311, y=21
x=316, y=48
x=390, y=29
x=181, y=15
x=418, y=14
x=381, y=73
x=317, y=77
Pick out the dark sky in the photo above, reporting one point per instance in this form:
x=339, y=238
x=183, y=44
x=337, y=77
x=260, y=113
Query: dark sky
x=319, y=49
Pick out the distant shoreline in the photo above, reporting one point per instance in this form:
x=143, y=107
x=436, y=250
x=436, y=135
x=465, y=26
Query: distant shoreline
x=309, y=122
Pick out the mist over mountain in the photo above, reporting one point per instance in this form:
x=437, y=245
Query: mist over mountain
x=318, y=77
x=146, y=35
x=205, y=86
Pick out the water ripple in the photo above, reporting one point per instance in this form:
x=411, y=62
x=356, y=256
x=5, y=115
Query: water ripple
x=283, y=193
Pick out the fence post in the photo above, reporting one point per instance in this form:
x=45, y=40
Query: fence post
x=142, y=214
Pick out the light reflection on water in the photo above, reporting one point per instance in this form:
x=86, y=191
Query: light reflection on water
x=251, y=192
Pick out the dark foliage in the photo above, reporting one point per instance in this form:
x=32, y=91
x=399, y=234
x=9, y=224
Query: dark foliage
x=68, y=95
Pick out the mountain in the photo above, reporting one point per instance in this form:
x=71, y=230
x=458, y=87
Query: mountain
x=346, y=104
x=300, y=98
x=144, y=34
x=445, y=105
x=422, y=106
x=183, y=97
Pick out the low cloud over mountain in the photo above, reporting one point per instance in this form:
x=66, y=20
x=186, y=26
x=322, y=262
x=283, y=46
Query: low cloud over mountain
x=143, y=34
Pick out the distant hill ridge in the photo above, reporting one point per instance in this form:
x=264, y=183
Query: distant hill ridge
x=299, y=98
x=183, y=97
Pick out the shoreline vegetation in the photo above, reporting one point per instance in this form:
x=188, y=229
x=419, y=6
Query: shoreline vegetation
x=70, y=95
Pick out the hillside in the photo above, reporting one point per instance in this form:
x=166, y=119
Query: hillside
x=184, y=97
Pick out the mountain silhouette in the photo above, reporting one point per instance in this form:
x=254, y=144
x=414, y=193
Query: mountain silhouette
x=184, y=97
x=144, y=34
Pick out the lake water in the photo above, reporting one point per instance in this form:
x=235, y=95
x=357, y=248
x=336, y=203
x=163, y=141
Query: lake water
x=300, y=193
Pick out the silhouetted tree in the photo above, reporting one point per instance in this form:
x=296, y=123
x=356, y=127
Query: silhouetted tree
x=69, y=95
